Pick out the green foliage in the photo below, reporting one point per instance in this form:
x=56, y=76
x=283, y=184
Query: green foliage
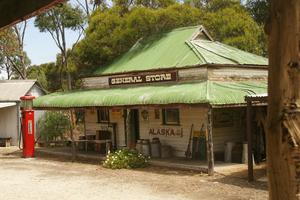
x=155, y=3
x=233, y=25
x=38, y=73
x=48, y=75
x=56, y=21
x=127, y=158
x=259, y=9
x=13, y=60
x=53, y=125
x=110, y=34
x=216, y=5
x=64, y=16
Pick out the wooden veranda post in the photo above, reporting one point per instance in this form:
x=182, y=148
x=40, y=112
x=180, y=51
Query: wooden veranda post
x=210, y=148
x=249, y=140
x=72, y=123
x=283, y=135
x=84, y=129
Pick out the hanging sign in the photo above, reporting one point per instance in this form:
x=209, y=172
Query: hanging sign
x=143, y=78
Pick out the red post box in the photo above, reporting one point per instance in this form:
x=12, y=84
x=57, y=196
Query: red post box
x=27, y=126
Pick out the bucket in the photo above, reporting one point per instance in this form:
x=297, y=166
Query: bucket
x=155, y=148
x=146, y=147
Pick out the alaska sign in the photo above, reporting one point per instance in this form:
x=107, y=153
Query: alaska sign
x=169, y=132
x=143, y=78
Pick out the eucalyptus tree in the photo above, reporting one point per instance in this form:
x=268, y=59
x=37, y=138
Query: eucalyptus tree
x=283, y=135
x=56, y=22
x=13, y=60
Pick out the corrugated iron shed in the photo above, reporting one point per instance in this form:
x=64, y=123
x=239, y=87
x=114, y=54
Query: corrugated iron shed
x=182, y=47
x=12, y=90
x=206, y=92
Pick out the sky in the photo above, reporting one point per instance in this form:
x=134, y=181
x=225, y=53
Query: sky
x=40, y=47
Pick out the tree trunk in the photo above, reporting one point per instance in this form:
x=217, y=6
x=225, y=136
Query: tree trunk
x=72, y=125
x=210, y=147
x=283, y=135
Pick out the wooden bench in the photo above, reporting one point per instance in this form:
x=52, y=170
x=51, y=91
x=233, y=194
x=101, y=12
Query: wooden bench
x=5, y=142
x=107, y=143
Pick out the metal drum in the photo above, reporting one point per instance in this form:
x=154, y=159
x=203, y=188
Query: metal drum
x=146, y=147
x=228, y=152
x=138, y=146
x=155, y=148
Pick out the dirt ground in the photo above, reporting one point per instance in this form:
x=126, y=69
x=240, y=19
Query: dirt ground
x=47, y=177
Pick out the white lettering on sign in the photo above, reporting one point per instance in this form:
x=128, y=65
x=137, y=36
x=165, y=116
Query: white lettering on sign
x=126, y=80
x=29, y=126
x=160, y=77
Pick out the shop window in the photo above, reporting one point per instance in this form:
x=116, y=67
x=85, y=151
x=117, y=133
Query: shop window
x=103, y=115
x=170, y=116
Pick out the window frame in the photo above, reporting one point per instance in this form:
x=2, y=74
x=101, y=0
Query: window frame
x=165, y=120
x=104, y=111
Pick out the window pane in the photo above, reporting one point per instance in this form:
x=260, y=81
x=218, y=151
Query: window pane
x=171, y=116
x=103, y=115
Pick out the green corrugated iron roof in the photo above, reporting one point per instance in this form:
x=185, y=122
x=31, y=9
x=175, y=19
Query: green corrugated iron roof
x=212, y=92
x=181, y=47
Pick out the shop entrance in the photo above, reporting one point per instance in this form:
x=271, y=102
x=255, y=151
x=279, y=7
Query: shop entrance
x=132, y=127
x=135, y=124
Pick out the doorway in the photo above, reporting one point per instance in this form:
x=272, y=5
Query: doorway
x=135, y=124
x=132, y=133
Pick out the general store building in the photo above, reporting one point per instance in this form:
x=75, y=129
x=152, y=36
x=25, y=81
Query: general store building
x=170, y=86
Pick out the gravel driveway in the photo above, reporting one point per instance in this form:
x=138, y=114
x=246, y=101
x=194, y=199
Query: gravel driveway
x=50, y=178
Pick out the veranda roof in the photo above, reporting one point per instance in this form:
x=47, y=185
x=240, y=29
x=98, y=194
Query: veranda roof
x=206, y=92
x=182, y=47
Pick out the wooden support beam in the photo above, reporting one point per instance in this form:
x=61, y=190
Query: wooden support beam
x=210, y=148
x=249, y=141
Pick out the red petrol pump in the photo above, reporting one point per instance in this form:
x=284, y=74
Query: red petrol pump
x=27, y=126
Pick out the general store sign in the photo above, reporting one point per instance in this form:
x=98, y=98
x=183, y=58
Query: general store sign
x=143, y=78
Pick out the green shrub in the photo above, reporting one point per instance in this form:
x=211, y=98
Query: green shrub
x=126, y=158
x=53, y=125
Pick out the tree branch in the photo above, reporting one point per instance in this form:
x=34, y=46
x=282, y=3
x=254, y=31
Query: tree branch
x=16, y=67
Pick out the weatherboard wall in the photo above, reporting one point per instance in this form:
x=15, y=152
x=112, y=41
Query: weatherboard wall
x=230, y=129
x=92, y=125
x=8, y=123
x=191, y=75
x=222, y=133
x=188, y=116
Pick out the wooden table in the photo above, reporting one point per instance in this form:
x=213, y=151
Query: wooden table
x=95, y=142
